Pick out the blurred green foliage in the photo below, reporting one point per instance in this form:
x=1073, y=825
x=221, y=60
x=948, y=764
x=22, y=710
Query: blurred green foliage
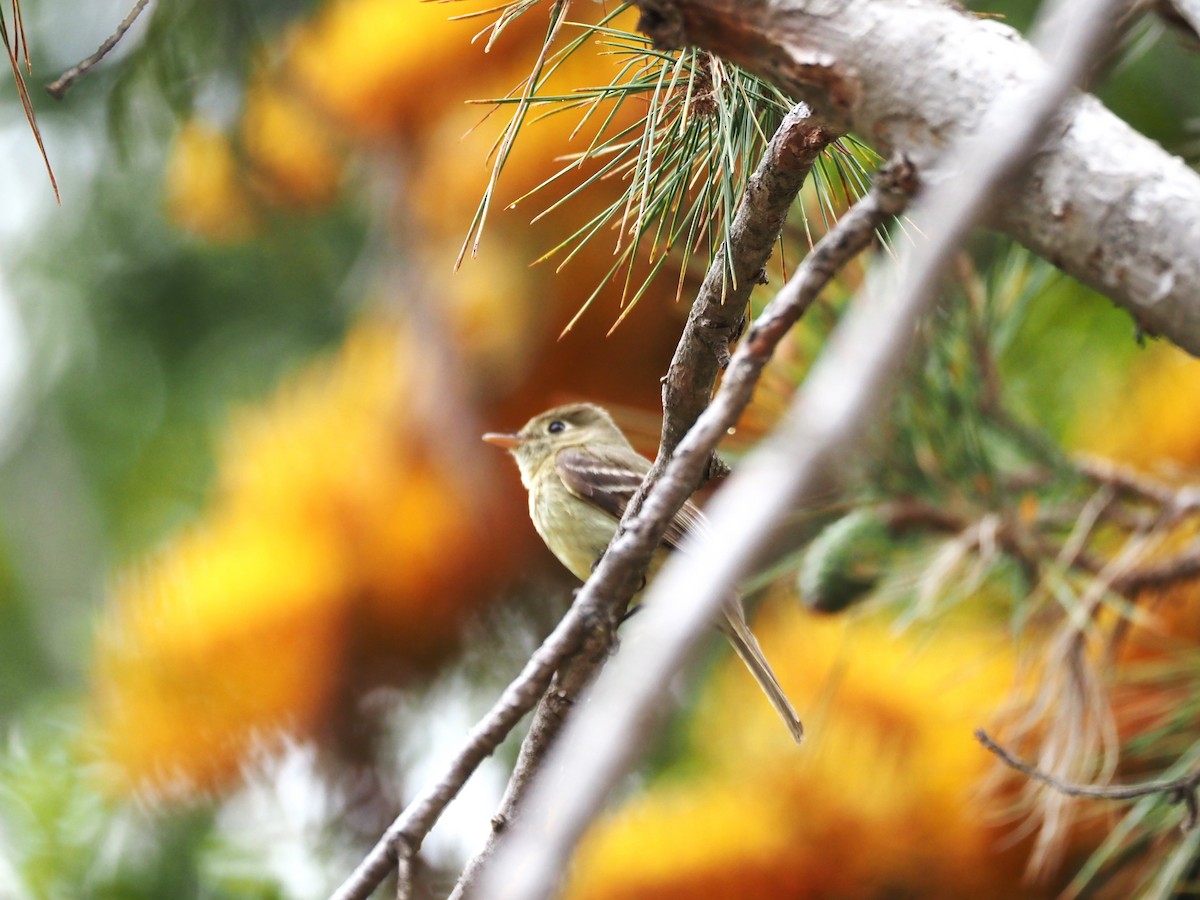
x=140, y=341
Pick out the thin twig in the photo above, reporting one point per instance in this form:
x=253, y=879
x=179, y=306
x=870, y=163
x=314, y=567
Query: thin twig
x=1179, y=790
x=1176, y=502
x=829, y=418
x=1182, y=567
x=719, y=311
x=59, y=87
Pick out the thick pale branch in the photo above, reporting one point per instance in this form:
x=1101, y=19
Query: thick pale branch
x=1105, y=204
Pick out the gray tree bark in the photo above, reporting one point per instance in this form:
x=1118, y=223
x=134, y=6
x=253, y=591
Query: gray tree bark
x=1104, y=203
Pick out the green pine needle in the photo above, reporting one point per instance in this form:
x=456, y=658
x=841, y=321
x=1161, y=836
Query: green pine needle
x=683, y=163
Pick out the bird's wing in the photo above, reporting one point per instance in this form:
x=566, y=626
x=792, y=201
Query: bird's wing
x=609, y=483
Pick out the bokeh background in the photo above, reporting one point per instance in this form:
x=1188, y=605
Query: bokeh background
x=257, y=572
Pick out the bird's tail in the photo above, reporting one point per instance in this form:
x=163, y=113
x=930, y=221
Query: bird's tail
x=746, y=646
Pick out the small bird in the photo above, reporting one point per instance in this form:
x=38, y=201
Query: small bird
x=581, y=473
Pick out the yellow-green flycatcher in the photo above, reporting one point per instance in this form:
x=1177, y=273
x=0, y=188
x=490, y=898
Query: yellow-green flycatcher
x=581, y=472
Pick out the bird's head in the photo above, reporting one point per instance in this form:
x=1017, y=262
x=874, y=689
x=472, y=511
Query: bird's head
x=574, y=425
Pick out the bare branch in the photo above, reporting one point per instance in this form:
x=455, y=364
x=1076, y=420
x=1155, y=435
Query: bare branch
x=717, y=317
x=785, y=165
x=1182, y=567
x=719, y=311
x=576, y=674
x=831, y=414
x=404, y=875
x=853, y=233
x=1179, y=790
x=59, y=87
x=1175, y=502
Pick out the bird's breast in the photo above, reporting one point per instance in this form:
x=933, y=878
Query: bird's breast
x=575, y=531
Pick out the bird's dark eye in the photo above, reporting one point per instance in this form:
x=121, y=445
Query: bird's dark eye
x=556, y=426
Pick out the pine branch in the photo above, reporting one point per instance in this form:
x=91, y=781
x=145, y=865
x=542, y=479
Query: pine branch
x=916, y=76
x=400, y=843
x=777, y=181
x=641, y=529
x=17, y=49
x=556, y=704
x=682, y=162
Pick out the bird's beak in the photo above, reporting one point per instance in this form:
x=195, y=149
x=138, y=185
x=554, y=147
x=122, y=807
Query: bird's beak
x=507, y=441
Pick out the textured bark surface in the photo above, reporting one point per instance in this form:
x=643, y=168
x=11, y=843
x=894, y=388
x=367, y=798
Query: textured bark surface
x=1102, y=202
x=719, y=311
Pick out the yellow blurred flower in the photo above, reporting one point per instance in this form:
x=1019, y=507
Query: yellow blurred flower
x=362, y=72
x=228, y=636
x=294, y=162
x=380, y=67
x=205, y=192
x=333, y=547
x=1153, y=423
x=884, y=798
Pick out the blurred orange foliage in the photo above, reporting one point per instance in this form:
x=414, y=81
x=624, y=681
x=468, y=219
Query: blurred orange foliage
x=333, y=548
x=882, y=800
x=385, y=69
x=1153, y=423
x=297, y=164
x=330, y=558
x=205, y=191
x=334, y=521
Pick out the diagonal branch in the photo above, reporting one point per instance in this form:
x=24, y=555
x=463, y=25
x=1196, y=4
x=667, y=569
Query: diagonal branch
x=1104, y=203
x=643, y=527
x=58, y=87
x=716, y=318
x=569, y=682
x=581, y=642
x=831, y=415
x=1181, y=790
x=579, y=649
x=719, y=311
